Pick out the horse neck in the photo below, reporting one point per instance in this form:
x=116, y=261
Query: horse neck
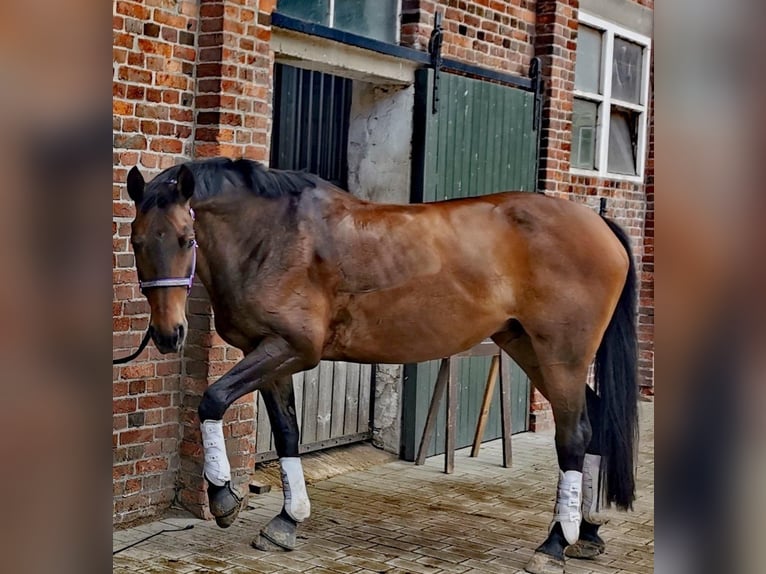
x=231, y=229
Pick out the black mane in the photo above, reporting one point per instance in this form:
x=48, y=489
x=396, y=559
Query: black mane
x=214, y=176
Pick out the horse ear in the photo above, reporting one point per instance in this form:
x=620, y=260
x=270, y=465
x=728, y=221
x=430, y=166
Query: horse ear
x=135, y=184
x=185, y=182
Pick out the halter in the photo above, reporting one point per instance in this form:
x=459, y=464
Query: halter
x=175, y=281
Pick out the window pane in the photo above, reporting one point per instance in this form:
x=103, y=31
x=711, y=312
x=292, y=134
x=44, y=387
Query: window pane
x=584, y=134
x=623, y=134
x=588, y=64
x=372, y=18
x=626, y=71
x=317, y=11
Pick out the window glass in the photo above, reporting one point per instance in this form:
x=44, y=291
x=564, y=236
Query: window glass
x=622, y=142
x=371, y=18
x=626, y=71
x=588, y=63
x=584, y=118
x=317, y=11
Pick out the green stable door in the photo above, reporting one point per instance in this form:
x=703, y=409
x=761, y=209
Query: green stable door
x=480, y=140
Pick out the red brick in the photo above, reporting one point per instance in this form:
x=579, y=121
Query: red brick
x=127, y=405
x=136, y=436
x=152, y=111
x=136, y=75
x=122, y=40
x=154, y=47
x=137, y=59
x=137, y=387
x=154, y=401
x=130, y=141
x=121, y=470
x=170, y=19
x=132, y=9
x=136, y=371
x=151, y=465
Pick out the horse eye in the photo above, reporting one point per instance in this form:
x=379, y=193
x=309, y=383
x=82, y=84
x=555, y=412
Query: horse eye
x=188, y=243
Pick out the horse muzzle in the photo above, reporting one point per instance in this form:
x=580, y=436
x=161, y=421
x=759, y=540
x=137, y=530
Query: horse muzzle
x=169, y=342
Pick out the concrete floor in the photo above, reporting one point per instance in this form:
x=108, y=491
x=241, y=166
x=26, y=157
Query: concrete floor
x=400, y=518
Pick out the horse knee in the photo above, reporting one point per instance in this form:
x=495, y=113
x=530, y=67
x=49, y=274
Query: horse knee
x=212, y=406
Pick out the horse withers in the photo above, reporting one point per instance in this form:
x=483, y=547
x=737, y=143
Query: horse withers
x=298, y=271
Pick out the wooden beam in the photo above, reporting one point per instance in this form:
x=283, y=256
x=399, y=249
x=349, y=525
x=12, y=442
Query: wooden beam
x=489, y=389
x=505, y=407
x=433, y=410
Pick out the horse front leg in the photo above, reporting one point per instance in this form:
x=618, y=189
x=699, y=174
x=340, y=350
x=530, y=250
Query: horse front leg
x=273, y=358
x=279, y=533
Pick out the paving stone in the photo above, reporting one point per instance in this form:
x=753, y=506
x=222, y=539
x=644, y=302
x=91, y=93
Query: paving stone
x=399, y=518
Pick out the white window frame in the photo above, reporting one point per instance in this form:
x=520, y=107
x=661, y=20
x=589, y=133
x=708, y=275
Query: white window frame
x=605, y=101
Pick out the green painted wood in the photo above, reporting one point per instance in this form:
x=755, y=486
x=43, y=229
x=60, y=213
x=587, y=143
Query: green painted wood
x=481, y=141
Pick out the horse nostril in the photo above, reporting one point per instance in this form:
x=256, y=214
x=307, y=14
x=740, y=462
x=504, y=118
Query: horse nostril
x=180, y=332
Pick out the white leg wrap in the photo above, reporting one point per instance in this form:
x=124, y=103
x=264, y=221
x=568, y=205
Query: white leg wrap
x=568, y=502
x=297, y=504
x=590, y=506
x=217, y=469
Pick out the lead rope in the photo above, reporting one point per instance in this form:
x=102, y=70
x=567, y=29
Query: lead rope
x=187, y=527
x=141, y=347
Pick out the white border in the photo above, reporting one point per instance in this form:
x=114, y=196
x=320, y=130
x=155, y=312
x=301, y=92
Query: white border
x=610, y=30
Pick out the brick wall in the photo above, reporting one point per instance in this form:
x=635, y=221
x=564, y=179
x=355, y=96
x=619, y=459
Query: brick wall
x=190, y=79
x=493, y=34
x=646, y=293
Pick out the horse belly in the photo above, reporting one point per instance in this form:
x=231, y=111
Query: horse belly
x=407, y=328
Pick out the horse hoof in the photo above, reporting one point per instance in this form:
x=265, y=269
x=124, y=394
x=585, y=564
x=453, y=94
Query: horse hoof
x=277, y=535
x=224, y=504
x=544, y=564
x=263, y=544
x=585, y=549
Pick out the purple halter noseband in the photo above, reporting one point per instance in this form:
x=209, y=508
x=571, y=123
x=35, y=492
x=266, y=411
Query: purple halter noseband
x=175, y=281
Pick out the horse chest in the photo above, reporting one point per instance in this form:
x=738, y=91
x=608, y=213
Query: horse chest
x=235, y=323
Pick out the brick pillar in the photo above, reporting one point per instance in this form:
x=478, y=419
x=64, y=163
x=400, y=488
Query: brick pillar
x=417, y=23
x=556, y=45
x=153, y=66
x=646, y=293
x=233, y=119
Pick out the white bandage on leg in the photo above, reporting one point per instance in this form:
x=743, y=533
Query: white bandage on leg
x=568, y=502
x=297, y=503
x=590, y=487
x=217, y=469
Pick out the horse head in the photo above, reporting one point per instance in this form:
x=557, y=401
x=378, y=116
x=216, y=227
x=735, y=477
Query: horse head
x=162, y=235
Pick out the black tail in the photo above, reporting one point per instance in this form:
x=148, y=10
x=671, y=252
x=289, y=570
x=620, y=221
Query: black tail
x=617, y=384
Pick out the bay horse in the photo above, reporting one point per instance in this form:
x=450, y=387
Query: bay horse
x=299, y=271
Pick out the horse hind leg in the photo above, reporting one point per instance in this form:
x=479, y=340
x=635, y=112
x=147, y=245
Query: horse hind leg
x=590, y=544
x=280, y=533
x=564, y=386
x=565, y=389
